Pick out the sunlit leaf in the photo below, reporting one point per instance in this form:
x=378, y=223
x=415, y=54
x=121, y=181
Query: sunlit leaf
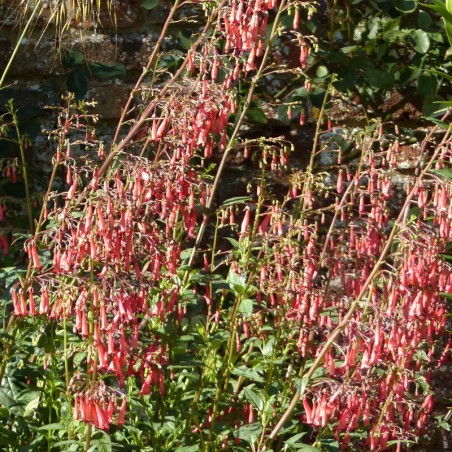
x=254, y=398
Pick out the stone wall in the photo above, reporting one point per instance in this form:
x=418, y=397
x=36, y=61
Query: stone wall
x=46, y=65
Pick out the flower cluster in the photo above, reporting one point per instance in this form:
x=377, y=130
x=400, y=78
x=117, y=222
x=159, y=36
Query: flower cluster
x=115, y=237
x=382, y=361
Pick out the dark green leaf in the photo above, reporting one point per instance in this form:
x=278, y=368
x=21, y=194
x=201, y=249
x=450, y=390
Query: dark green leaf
x=317, y=97
x=282, y=114
x=383, y=5
x=330, y=445
x=10, y=391
x=77, y=83
x=298, y=94
x=73, y=58
x=424, y=20
x=432, y=106
x=107, y=71
x=256, y=115
x=379, y=79
x=440, y=8
x=170, y=61
x=427, y=84
x=184, y=39
x=150, y=4
x=405, y=6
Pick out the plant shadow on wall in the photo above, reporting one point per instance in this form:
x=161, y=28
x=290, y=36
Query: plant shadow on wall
x=82, y=71
x=318, y=326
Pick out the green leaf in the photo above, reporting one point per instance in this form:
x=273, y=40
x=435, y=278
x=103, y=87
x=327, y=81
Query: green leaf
x=10, y=391
x=73, y=58
x=256, y=115
x=68, y=442
x=301, y=384
x=322, y=71
x=236, y=200
x=246, y=307
x=295, y=438
x=170, y=61
x=432, y=106
x=379, y=79
x=427, y=84
x=249, y=433
x=438, y=122
x=233, y=242
x=424, y=20
x=236, y=282
x=446, y=173
x=394, y=35
x=282, y=114
x=77, y=83
x=448, y=26
x=298, y=94
x=330, y=445
x=12, y=274
x=267, y=349
x=55, y=426
x=107, y=71
x=250, y=374
x=405, y=6
x=349, y=49
x=440, y=8
x=184, y=39
x=150, y=4
x=255, y=399
x=382, y=5
x=441, y=74
x=308, y=448
x=421, y=40
x=449, y=6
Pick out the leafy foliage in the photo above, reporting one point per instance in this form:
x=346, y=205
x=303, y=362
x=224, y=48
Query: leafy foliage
x=151, y=311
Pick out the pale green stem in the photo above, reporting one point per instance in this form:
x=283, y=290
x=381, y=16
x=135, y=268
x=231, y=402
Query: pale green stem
x=19, y=42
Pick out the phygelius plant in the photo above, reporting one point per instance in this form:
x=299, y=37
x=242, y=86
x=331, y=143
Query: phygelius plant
x=321, y=315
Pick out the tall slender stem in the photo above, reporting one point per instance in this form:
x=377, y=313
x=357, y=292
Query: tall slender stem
x=20, y=142
x=19, y=42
